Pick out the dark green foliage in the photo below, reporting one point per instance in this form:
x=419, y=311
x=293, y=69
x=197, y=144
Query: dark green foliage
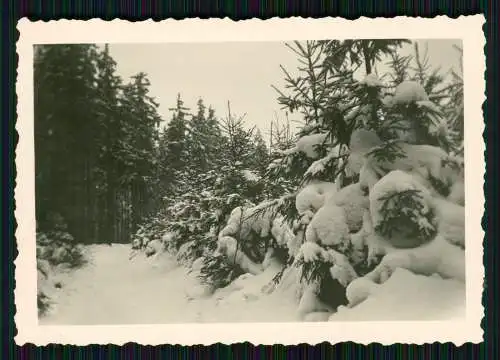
x=389, y=151
x=203, y=139
x=151, y=229
x=362, y=267
x=217, y=271
x=261, y=157
x=94, y=143
x=405, y=217
x=331, y=292
x=204, y=167
x=454, y=106
x=314, y=271
x=63, y=80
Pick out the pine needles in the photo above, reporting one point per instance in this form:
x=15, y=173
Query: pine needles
x=405, y=215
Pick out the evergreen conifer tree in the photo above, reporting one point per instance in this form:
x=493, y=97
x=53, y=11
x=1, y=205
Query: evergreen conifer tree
x=358, y=131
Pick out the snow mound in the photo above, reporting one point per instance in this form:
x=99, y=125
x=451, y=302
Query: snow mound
x=406, y=296
x=245, y=300
x=154, y=247
x=409, y=91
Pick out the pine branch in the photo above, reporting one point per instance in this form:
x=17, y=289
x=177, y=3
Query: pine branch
x=405, y=215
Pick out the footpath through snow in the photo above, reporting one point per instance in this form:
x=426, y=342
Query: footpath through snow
x=113, y=290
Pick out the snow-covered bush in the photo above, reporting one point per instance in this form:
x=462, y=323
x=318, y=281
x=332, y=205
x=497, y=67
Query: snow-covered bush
x=249, y=234
x=59, y=247
x=450, y=219
x=323, y=275
x=217, y=272
x=436, y=169
x=55, y=250
x=360, y=143
x=150, y=230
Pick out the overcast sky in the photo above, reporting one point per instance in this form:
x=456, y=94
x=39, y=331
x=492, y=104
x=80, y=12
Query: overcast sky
x=241, y=72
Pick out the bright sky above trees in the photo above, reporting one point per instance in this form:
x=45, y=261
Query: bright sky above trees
x=241, y=72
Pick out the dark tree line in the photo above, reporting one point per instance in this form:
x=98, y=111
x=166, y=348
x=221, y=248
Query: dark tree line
x=94, y=142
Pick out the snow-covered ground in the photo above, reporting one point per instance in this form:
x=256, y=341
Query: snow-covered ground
x=113, y=290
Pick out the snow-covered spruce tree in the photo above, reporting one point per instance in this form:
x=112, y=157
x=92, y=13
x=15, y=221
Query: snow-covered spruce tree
x=238, y=186
x=402, y=157
x=371, y=172
x=277, y=227
x=171, y=159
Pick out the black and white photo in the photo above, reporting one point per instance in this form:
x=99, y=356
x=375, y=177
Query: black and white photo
x=308, y=180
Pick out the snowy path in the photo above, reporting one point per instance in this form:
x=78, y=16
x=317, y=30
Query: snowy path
x=113, y=290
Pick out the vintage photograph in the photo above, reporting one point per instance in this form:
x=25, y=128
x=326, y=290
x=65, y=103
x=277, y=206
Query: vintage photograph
x=241, y=182
x=296, y=181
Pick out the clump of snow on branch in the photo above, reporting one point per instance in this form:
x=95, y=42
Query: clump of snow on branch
x=228, y=246
x=308, y=145
x=329, y=227
x=319, y=165
x=450, y=217
x=282, y=233
x=312, y=196
x=250, y=175
x=354, y=202
x=409, y=91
